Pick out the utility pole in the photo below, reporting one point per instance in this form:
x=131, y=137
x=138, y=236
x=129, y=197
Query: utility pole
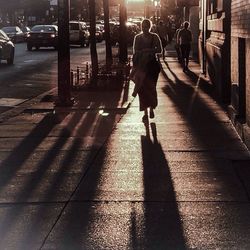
x=64, y=95
x=93, y=51
x=204, y=35
x=109, y=59
x=123, y=50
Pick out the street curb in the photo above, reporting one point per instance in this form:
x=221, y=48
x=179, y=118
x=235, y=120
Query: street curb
x=27, y=107
x=23, y=106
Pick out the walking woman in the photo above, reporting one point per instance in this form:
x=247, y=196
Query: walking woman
x=145, y=49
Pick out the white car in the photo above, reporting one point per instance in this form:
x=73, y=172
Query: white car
x=78, y=33
x=7, y=48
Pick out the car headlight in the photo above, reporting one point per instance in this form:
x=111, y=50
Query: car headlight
x=52, y=35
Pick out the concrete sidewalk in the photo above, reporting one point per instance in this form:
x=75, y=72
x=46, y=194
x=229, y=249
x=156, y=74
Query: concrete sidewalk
x=95, y=177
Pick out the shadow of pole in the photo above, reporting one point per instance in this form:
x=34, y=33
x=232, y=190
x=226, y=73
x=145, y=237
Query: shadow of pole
x=22, y=152
x=77, y=219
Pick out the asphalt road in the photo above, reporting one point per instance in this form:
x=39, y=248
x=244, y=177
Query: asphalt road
x=35, y=72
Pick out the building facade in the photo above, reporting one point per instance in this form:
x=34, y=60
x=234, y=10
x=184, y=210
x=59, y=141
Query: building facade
x=215, y=37
x=240, y=68
x=224, y=52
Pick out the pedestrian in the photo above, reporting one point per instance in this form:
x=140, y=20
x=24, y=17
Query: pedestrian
x=184, y=39
x=161, y=30
x=177, y=45
x=147, y=68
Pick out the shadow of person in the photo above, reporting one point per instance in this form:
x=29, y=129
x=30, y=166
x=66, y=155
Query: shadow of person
x=162, y=223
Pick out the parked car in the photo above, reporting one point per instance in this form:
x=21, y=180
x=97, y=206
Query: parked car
x=26, y=32
x=43, y=36
x=114, y=34
x=99, y=34
x=7, y=48
x=14, y=33
x=78, y=33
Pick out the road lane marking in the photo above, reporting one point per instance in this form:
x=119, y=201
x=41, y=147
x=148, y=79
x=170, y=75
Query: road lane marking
x=30, y=61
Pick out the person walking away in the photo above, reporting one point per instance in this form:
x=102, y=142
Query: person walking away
x=184, y=39
x=177, y=46
x=146, y=46
x=162, y=33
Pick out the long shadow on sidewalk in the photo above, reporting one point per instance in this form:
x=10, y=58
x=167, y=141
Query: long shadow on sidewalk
x=77, y=221
x=163, y=226
x=26, y=147
x=77, y=127
x=197, y=79
x=208, y=124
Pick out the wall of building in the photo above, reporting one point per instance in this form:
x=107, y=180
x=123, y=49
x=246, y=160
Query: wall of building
x=240, y=54
x=194, y=27
x=218, y=47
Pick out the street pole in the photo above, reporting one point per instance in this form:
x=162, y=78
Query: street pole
x=204, y=34
x=123, y=50
x=109, y=59
x=64, y=95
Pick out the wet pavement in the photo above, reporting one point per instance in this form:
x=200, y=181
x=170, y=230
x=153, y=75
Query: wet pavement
x=95, y=177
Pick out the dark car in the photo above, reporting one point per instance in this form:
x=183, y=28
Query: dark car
x=43, y=36
x=114, y=34
x=7, y=48
x=14, y=33
x=26, y=32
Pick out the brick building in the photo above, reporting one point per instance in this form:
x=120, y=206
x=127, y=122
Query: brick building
x=215, y=36
x=240, y=68
x=224, y=50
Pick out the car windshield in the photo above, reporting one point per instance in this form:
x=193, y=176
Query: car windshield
x=43, y=28
x=9, y=29
x=3, y=35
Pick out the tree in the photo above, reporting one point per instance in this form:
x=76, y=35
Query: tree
x=107, y=34
x=99, y=7
x=93, y=52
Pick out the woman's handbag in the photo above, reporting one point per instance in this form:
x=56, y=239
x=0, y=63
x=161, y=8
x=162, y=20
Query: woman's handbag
x=135, y=59
x=154, y=68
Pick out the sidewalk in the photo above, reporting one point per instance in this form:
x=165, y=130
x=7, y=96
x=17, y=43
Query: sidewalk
x=95, y=177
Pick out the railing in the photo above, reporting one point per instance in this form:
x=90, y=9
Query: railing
x=107, y=79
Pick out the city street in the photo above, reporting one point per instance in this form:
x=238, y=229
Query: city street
x=93, y=176
x=141, y=141
x=35, y=72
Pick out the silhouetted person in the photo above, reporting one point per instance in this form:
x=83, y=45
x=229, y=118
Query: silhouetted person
x=177, y=45
x=147, y=68
x=161, y=30
x=184, y=39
